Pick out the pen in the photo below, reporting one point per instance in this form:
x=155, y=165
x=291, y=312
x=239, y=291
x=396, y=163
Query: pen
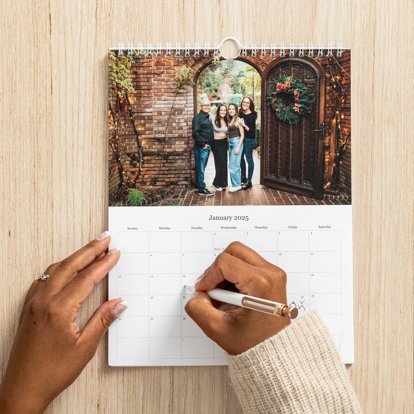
x=251, y=302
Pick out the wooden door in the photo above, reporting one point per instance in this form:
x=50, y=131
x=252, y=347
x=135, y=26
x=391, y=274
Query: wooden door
x=292, y=155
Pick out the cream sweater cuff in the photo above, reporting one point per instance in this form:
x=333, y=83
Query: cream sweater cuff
x=298, y=370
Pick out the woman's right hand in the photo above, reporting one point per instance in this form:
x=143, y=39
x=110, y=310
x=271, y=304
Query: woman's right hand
x=241, y=122
x=50, y=349
x=238, y=329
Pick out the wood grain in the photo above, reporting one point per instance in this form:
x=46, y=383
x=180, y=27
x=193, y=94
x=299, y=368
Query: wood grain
x=53, y=172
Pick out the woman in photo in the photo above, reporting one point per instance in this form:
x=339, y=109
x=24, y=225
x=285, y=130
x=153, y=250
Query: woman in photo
x=236, y=137
x=219, y=147
x=249, y=116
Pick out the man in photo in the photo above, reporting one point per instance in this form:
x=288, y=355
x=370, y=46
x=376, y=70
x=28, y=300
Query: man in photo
x=203, y=135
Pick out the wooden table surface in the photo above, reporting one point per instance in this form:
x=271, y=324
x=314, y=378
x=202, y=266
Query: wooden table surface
x=54, y=172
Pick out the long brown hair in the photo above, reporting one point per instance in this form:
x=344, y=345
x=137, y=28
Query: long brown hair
x=251, y=106
x=217, y=119
x=235, y=118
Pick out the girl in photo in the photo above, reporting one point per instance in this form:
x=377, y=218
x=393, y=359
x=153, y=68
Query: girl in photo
x=248, y=116
x=236, y=137
x=219, y=147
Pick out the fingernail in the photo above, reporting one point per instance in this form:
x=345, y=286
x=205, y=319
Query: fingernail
x=120, y=307
x=103, y=236
x=114, y=250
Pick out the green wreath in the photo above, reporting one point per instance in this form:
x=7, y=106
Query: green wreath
x=290, y=98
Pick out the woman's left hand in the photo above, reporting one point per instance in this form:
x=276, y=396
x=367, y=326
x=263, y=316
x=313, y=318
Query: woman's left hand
x=50, y=350
x=243, y=124
x=236, y=150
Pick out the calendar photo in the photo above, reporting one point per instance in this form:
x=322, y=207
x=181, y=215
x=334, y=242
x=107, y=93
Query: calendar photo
x=210, y=151
x=187, y=127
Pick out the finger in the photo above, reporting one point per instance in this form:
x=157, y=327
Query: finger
x=270, y=271
x=213, y=322
x=68, y=268
x=51, y=268
x=227, y=267
x=36, y=287
x=248, y=255
x=80, y=287
x=100, y=321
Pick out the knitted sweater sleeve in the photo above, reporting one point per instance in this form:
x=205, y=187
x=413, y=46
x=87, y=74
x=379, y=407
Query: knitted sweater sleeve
x=298, y=370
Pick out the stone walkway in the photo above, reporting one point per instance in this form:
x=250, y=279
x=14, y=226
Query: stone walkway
x=257, y=195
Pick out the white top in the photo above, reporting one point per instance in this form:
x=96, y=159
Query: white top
x=219, y=132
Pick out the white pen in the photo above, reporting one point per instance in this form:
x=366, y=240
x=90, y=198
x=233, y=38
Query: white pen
x=251, y=302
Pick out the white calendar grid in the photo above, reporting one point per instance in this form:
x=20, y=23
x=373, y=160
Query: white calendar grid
x=159, y=259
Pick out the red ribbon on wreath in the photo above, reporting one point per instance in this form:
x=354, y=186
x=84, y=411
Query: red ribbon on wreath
x=282, y=86
x=296, y=95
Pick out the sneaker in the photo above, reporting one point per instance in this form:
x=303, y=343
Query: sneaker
x=234, y=189
x=247, y=185
x=205, y=192
x=217, y=188
x=243, y=182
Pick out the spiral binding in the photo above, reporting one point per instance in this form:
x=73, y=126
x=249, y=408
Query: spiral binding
x=206, y=49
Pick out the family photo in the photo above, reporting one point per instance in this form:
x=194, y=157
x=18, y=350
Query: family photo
x=188, y=127
x=230, y=136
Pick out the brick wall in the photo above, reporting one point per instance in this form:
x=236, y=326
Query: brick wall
x=163, y=120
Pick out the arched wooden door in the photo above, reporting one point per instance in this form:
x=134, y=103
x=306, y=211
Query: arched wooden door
x=292, y=155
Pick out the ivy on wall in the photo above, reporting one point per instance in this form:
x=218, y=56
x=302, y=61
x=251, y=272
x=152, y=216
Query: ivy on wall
x=120, y=114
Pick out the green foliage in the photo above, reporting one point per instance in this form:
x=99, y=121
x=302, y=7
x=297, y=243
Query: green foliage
x=252, y=82
x=290, y=98
x=223, y=79
x=209, y=82
x=183, y=79
x=227, y=81
x=135, y=197
x=120, y=74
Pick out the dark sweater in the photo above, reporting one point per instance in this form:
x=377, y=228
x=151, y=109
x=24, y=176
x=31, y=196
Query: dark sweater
x=202, y=129
x=250, y=121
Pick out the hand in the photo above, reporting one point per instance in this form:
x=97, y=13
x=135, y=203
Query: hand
x=50, y=350
x=206, y=146
x=238, y=329
x=236, y=151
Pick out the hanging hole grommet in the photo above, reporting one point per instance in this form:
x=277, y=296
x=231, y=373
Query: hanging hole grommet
x=229, y=48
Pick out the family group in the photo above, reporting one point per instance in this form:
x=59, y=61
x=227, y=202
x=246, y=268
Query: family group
x=230, y=135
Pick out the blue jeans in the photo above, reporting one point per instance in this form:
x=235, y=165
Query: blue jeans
x=201, y=158
x=234, y=162
x=248, y=146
